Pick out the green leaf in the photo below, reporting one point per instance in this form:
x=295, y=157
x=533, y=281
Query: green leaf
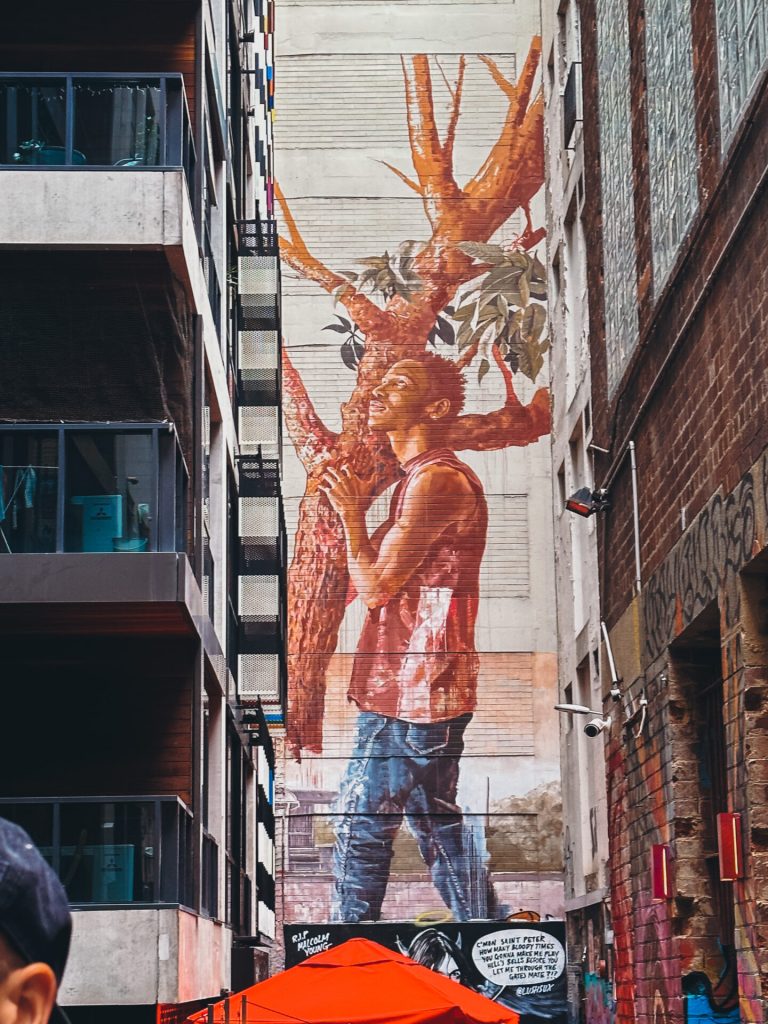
x=501, y=279
x=464, y=336
x=379, y=262
x=349, y=354
x=518, y=258
x=445, y=331
x=524, y=289
x=528, y=354
x=366, y=278
x=384, y=279
x=482, y=369
x=538, y=272
x=533, y=321
x=409, y=249
x=464, y=312
x=487, y=253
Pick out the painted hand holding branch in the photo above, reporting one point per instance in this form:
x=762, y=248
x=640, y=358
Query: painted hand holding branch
x=357, y=463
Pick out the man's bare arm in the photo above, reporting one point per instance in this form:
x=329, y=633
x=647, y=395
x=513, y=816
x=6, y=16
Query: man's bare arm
x=436, y=498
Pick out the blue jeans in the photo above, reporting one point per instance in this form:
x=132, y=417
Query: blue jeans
x=400, y=769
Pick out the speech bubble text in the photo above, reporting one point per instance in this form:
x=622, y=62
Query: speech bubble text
x=519, y=957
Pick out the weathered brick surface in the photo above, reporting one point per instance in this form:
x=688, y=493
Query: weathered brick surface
x=706, y=423
x=693, y=399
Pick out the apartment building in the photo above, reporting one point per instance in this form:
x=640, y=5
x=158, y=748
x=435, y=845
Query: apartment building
x=675, y=209
x=141, y=538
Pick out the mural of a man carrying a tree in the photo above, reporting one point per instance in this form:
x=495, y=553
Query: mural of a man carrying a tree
x=414, y=675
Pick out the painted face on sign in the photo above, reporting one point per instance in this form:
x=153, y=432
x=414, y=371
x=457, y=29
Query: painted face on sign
x=403, y=400
x=449, y=968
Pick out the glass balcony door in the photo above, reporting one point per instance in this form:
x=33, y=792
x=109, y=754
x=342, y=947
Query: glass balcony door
x=94, y=120
x=91, y=488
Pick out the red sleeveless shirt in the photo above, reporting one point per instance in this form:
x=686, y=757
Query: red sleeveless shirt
x=416, y=658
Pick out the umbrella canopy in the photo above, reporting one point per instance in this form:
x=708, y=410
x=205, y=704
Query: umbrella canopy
x=358, y=982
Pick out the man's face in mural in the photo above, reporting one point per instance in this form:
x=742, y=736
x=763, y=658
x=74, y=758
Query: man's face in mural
x=405, y=399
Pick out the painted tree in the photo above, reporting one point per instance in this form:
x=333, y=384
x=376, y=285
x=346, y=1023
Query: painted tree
x=462, y=221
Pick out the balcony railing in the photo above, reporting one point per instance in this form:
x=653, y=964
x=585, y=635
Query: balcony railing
x=115, y=850
x=91, y=488
x=257, y=237
x=95, y=120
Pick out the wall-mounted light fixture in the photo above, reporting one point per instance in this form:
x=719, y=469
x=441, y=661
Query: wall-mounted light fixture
x=730, y=847
x=592, y=728
x=661, y=872
x=585, y=502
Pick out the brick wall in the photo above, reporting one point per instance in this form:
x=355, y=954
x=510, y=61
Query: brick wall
x=703, y=425
x=693, y=400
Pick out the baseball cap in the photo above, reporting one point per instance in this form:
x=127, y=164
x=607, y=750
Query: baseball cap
x=34, y=912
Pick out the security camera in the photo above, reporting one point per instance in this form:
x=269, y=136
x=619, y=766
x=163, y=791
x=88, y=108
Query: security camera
x=596, y=725
x=615, y=692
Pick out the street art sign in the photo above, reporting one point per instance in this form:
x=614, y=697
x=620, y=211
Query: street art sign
x=415, y=393
x=519, y=964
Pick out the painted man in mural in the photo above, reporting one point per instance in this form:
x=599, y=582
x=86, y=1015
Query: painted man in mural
x=415, y=670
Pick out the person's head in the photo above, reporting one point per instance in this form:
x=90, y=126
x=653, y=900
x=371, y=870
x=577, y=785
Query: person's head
x=35, y=930
x=436, y=951
x=424, y=389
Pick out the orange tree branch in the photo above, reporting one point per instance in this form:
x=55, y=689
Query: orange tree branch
x=403, y=177
x=517, y=158
x=313, y=441
x=294, y=251
x=450, y=136
x=514, y=424
x=507, y=87
x=431, y=160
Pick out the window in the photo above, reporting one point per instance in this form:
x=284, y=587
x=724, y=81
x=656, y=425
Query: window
x=742, y=45
x=672, y=157
x=619, y=262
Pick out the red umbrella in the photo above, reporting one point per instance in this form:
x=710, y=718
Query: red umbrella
x=359, y=982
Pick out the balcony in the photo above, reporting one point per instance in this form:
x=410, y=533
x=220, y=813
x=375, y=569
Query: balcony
x=94, y=531
x=118, y=165
x=127, y=866
x=122, y=122
x=91, y=488
x=115, y=851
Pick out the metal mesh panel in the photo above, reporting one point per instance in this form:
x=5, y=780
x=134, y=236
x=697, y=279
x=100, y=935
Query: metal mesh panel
x=259, y=597
x=258, y=426
x=257, y=387
x=259, y=516
x=257, y=313
x=257, y=275
x=260, y=676
x=258, y=349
